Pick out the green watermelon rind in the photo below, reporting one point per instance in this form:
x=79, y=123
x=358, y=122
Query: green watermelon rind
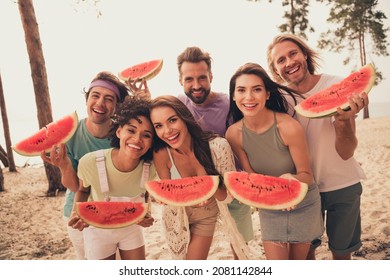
x=345, y=106
x=109, y=224
x=154, y=189
x=26, y=148
x=239, y=195
x=147, y=76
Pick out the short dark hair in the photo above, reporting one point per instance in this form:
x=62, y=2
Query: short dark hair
x=194, y=55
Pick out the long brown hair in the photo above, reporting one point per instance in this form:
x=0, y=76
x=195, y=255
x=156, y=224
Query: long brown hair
x=312, y=55
x=200, y=138
x=276, y=101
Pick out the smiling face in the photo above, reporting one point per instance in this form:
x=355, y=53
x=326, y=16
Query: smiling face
x=101, y=105
x=135, y=137
x=169, y=127
x=250, y=94
x=290, y=62
x=196, y=81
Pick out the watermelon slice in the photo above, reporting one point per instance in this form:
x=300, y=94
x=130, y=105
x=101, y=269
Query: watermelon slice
x=185, y=191
x=265, y=192
x=54, y=133
x=111, y=214
x=146, y=70
x=325, y=103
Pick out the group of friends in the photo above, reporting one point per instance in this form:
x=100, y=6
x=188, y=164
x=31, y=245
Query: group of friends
x=203, y=132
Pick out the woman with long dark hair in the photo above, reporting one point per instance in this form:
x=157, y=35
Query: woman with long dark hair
x=185, y=150
x=268, y=141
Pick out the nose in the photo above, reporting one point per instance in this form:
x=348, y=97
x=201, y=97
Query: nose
x=137, y=137
x=249, y=95
x=100, y=101
x=289, y=61
x=196, y=84
x=168, y=129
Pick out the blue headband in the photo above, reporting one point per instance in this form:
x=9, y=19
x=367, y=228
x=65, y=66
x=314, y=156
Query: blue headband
x=107, y=85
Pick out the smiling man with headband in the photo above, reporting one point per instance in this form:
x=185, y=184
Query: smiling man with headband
x=102, y=97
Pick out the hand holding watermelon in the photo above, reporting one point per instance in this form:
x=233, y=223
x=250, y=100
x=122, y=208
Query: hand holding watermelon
x=57, y=156
x=142, y=90
x=337, y=97
x=356, y=103
x=147, y=221
x=76, y=222
x=265, y=192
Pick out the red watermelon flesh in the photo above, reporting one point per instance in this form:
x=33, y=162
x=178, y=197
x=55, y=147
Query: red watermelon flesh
x=325, y=103
x=188, y=191
x=146, y=70
x=54, y=133
x=265, y=192
x=111, y=214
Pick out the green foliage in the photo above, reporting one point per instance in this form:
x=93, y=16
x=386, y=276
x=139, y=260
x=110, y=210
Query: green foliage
x=358, y=25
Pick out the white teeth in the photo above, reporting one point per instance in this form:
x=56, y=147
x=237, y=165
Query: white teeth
x=173, y=137
x=134, y=146
x=293, y=70
x=249, y=105
x=98, y=111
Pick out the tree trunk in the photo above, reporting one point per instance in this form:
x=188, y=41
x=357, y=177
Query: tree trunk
x=366, y=113
x=39, y=77
x=3, y=157
x=1, y=180
x=7, y=136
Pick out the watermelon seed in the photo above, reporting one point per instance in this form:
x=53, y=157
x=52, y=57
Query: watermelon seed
x=130, y=210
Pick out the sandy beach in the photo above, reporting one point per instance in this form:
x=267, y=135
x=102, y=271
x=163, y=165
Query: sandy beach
x=32, y=227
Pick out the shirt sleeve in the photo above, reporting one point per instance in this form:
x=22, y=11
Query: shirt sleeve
x=222, y=154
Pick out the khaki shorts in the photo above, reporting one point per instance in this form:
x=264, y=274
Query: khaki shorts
x=202, y=220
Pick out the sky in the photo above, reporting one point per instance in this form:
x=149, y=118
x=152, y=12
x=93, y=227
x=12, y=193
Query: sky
x=77, y=44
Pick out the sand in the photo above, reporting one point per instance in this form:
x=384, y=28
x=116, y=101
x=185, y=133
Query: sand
x=32, y=227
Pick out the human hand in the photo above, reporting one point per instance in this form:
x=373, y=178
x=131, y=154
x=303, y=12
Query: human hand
x=76, y=222
x=291, y=177
x=147, y=221
x=287, y=176
x=142, y=90
x=356, y=103
x=57, y=156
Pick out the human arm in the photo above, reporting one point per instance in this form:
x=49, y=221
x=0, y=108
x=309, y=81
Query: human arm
x=234, y=137
x=293, y=136
x=59, y=158
x=345, y=126
x=141, y=90
x=80, y=196
x=223, y=160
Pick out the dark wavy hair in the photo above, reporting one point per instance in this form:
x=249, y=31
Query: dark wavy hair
x=131, y=108
x=276, y=102
x=109, y=77
x=200, y=138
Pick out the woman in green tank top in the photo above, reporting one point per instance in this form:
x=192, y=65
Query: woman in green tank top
x=268, y=141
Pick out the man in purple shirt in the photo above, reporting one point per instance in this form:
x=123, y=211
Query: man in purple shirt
x=210, y=109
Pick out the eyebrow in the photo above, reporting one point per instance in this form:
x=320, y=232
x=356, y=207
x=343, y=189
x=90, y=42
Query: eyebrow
x=174, y=115
x=135, y=127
